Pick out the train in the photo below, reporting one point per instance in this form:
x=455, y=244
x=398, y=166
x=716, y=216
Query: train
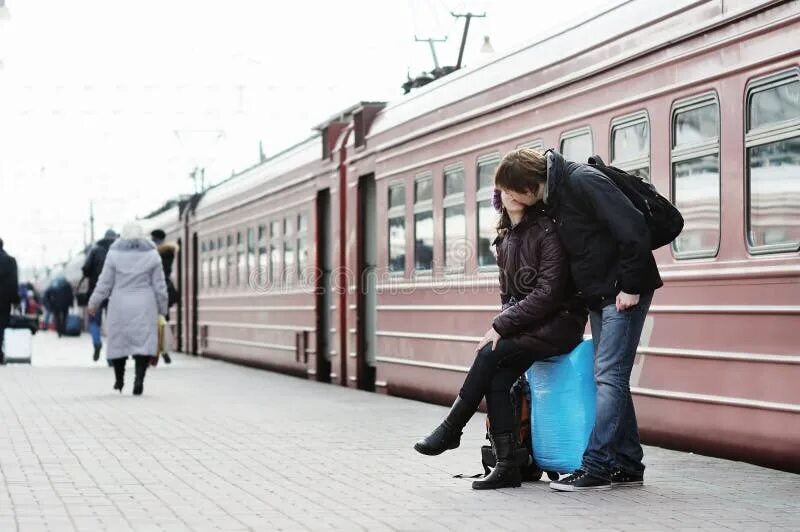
x=362, y=256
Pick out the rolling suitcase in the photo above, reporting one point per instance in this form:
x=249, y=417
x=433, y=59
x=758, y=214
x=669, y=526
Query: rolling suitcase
x=17, y=345
x=72, y=325
x=562, y=408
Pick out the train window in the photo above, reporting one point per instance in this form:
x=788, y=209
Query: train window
x=533, y=145
x=696, y=175
x=423, y=189
x=302, y=246
x=630, y=144
x=772, y=144
x=261, y=256
x=423, y=223
x=455, y=221
x=486, y=169
x=577, y=145
x=251, y=256
x=288, y=251
x=241, y=260
x=211, y=261
x=486, y=216
x=397, y=227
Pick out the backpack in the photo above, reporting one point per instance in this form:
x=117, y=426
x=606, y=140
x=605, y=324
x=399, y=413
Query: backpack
x=662, y=217
x=521, y=402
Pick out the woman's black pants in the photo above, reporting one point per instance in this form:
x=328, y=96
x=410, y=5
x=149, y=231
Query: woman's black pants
x=494, y=372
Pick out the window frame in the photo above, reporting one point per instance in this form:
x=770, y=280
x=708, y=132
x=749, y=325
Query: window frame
x=628, y=120
x=301, y=235
x=784, y=130
x=708, y=147
x=481, y=195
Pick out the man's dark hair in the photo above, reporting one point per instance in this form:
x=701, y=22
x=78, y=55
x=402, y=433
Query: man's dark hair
x=158, y=234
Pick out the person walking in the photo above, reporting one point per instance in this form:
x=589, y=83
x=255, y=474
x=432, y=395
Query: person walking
x=167, y=252
x=92, y=268
x=540, y=318
x=133, y=281
x=60, y=299
x=608, y=243
x=8, y=292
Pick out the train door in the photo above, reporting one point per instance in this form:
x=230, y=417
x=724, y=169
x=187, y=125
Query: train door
x=179, y=328
x=367, y=296
x=194, y=279
x=323, y=289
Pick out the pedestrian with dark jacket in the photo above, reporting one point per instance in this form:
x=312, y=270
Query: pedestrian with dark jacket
x=615, y=273
x=8, y=292
x=59, y=299
x=92, y=268
x=133, y=279
x=540, y=318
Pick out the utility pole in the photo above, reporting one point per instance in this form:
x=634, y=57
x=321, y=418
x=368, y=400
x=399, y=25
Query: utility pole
x=91, y=220
x=433, y=50
x=468, y=16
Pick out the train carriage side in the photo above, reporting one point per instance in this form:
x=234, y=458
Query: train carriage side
x=713, y=120
x=256, y=264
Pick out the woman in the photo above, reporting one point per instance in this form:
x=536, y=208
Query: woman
x=540, y=318
x=133, y=277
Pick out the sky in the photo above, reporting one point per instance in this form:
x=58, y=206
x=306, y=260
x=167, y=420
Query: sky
x=114, y=102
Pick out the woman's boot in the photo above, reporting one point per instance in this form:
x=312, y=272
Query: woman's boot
x=142, y=361
x=506, y=473
x=119, y=373
x=447, y=435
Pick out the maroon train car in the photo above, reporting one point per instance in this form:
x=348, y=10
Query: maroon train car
x=388, y=210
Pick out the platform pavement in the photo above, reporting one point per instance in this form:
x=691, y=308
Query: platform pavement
x=215, y=446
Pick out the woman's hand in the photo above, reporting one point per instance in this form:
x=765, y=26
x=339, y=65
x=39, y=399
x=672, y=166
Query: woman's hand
x=91, y=311
x=626, y=301
x=491, y=337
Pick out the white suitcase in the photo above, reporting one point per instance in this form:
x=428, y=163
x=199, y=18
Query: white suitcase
x=17, y=346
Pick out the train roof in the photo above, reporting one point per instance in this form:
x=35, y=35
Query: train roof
x=612, y=23
x=301, y=154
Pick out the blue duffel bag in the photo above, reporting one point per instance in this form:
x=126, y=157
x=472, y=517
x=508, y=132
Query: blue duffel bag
x=562, y=408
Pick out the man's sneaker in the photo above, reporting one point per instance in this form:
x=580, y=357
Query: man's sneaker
x=620, y=479
x=581, y=480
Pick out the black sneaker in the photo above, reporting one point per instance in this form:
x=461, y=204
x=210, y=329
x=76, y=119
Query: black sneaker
x=581, y=480
x=620, y=479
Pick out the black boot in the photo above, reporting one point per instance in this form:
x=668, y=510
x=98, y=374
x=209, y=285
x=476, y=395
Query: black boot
x=506, y=473
x=447, y=435
x=96, y=354
x=119, y=373
x=142, y=361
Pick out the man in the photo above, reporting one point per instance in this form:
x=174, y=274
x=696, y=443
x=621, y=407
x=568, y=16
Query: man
x=92, y=268
x=8, y=292
x=167, y=251
x=608, y=244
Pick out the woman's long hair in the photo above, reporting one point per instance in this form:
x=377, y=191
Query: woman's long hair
x=521, y=170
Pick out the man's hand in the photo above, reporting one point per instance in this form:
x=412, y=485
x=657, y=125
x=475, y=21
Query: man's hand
x=91, y=311
x=626, y=301
x=491, y=337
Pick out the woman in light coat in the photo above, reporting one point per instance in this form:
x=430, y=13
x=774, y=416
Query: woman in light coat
x=133, y=279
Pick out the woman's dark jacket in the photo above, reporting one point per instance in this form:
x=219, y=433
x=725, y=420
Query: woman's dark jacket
x=539, y=302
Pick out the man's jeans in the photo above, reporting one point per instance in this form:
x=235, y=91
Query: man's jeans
x=95, y=324
x=614, y=442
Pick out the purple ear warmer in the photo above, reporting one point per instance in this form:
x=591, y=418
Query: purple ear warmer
x=497, y=203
